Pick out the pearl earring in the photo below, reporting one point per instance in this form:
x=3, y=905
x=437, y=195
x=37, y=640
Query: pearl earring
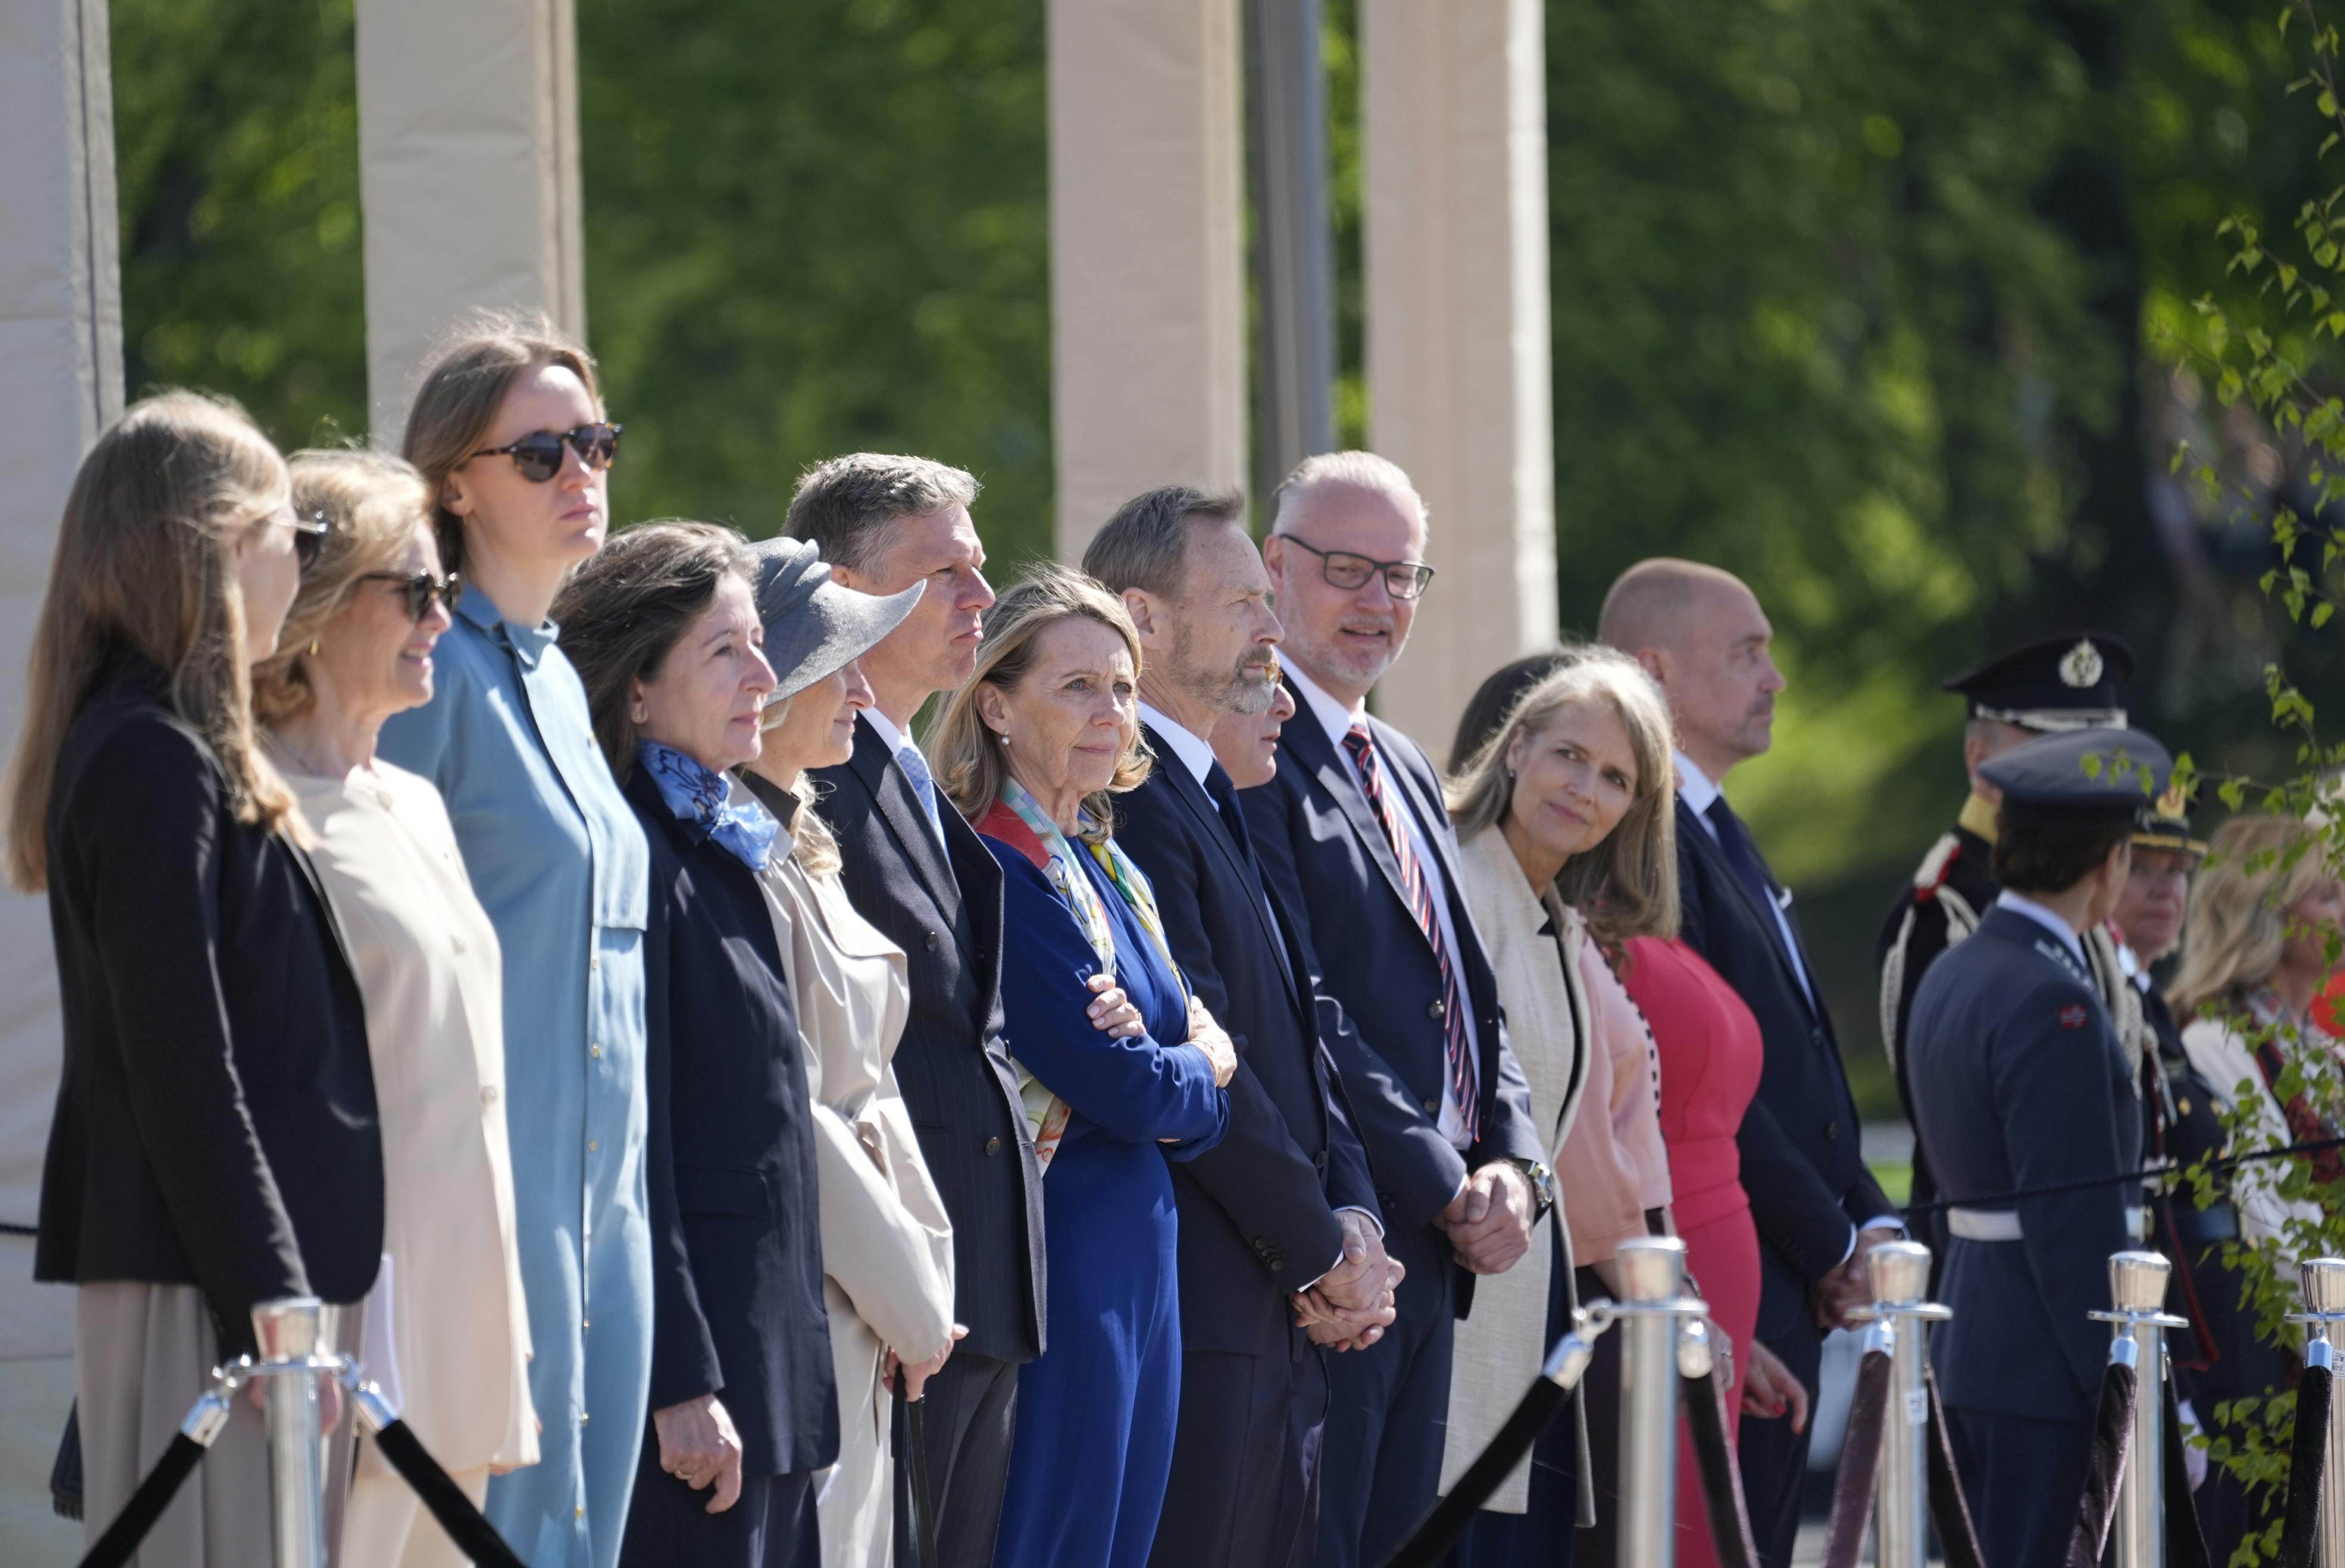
x=313, y=647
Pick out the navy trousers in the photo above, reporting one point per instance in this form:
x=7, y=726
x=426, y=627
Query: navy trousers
x=1388, y=1412
x=1244, y=1489
x=772, y=1525
x=2023, y=1480
x=1773, y=1458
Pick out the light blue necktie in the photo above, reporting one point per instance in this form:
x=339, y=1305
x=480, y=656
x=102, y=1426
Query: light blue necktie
x=924, y=784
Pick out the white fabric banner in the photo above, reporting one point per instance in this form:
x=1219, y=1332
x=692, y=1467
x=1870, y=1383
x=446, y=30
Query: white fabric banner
x=1453, y=110
x=1148, y=303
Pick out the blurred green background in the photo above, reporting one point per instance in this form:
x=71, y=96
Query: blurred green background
x=1884, y=304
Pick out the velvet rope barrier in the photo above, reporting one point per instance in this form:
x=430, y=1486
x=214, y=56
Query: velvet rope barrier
x=2112, y=1437
x=473, y=1535
x=1721, y=1481
x=124, y=1536
x=2299, y=1532
x=1860, y=1462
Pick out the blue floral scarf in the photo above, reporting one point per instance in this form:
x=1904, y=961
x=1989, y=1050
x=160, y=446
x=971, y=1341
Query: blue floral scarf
x=699, y=796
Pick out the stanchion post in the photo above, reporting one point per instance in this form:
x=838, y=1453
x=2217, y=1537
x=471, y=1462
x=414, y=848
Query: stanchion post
x=1651, y=1315
x=1901, y=1274
x=2323, y=1317
x=288, y=1331
x=2138, y=1329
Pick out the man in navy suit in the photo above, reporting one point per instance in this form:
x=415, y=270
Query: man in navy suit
x=1282, y=1209
x=917, y=872
x=1353, y=839
x=1701, y=633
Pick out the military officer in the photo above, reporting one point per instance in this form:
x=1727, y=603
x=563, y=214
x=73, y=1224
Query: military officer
x=2022, y=1083
x=2061, y=683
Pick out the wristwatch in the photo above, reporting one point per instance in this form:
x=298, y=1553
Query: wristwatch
x=1542, y=1183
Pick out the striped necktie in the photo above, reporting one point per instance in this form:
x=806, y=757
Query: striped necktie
x=1362, y=752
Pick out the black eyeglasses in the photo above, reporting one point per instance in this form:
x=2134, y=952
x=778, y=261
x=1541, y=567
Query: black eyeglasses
x=538, y=455
x=421, y=589
x=309, y=531
x=1403, y=579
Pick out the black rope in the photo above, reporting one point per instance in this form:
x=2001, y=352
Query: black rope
x=2185, y=1543
x=474, y=1536
x=2085, y=1184
x=2112, y=1437
x=146, y=1504
x=1860, y=1462
x=1721, y=1481
x=2308, y=1462
x=1441, y=1527
x=1949, y=1509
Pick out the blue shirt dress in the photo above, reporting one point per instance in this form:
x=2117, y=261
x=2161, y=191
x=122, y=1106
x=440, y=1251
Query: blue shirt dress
x=1096, y=1411
x=559, y=862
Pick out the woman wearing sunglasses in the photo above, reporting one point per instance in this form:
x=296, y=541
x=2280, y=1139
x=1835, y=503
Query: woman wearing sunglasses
x=507, y=431
x=445, y=1323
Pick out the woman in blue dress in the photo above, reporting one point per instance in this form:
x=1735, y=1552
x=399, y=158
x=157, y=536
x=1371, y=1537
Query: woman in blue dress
x=1030, y=750
x=507, y=428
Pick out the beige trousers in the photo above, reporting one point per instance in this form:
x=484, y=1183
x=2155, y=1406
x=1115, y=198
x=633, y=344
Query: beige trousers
x=388, y=1527
x=142, y=1354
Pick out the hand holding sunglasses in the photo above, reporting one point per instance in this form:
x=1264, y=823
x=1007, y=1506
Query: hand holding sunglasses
x=538, y=455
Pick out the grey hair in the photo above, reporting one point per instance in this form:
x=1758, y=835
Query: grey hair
x=843, y=504
x=1367, y=471
x=1145, y=545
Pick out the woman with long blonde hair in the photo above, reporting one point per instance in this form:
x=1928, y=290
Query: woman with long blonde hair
x=214, y=1146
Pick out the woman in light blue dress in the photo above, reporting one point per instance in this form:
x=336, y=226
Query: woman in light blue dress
x=507, y=428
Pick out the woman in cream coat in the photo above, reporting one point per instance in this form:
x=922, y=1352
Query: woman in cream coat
x=447, y=1334
x=887, y=1245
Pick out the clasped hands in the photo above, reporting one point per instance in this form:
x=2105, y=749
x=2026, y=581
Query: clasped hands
x=1349, y=1307
x=1489, y=1220
x=1850, y=1285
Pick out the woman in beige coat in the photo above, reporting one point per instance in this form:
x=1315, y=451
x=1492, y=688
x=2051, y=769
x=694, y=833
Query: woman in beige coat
x=447, y=1335
x=887, y=1245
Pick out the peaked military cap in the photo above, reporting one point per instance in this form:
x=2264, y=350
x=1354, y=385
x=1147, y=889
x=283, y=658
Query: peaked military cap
x=2072, y=682
x=2096, y=780
x=2166, y=825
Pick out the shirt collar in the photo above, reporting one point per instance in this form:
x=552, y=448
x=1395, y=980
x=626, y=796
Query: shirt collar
x=885, y=728
x=1196, y=752
x=1333, y=716
x=528, y=642
x=1694, y=787
x=2020, y=904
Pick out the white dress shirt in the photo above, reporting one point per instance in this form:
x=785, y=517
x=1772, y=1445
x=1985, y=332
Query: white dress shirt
x=1337, y=720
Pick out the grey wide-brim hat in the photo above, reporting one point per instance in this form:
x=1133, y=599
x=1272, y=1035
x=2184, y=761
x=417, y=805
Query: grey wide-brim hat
x=814, y=627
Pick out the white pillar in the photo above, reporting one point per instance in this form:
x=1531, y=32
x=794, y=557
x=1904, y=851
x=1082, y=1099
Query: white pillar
x=1147, y=276
x=60, y=384
x=468, y=177
x=1453, y=109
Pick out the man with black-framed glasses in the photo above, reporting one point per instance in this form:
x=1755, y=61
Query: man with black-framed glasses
x=1353, y=835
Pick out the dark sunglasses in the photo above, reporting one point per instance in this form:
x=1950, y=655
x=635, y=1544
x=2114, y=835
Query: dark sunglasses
x=309, y=531
x=538, y=455
x=421, y=589
x=1403, y=579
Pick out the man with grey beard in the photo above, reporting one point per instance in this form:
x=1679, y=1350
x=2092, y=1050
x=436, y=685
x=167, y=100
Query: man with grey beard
x=1282, y=1252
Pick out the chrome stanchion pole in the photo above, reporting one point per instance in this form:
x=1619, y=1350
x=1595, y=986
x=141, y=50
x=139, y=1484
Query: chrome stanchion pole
x=1901, y=1274
x=1651, y=1318
x=288, y=1332
x=2138, y=1329
x=2323, y=1315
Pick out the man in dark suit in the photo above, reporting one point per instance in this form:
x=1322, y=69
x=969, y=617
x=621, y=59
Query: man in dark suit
x=1352, y=837
x=918, y=872
x=1283, y=1208
x=1702, y=635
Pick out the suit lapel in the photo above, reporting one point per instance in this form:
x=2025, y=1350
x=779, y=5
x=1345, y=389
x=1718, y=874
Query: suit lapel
x=1308, y=744
x=891, y=791
x=1692, y=830
x=1191, y=794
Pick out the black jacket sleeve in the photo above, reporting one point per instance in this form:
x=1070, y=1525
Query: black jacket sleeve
x=684, y=1351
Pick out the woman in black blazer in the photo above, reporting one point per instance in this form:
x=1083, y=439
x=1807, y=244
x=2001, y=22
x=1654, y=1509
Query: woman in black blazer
x=664, y=629
x=215, y=1143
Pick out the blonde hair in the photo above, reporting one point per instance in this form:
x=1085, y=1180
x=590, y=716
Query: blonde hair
x=463, y=388
x=2236, y=921
x=966, y=756
x=145, y=559
x=375, y=503
x=1627, y=884
x=812, y=844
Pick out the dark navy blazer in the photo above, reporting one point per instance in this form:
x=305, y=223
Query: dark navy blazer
x=1325, y=854
x=952, y=1063
x=1257, y=1212
x=2021, y=1083
x=1803, y=1164
x=737, y=1307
